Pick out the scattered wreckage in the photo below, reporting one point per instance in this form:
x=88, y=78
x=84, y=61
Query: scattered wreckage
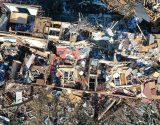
x=79, y=65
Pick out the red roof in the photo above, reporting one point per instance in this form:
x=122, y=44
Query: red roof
x=64, y=51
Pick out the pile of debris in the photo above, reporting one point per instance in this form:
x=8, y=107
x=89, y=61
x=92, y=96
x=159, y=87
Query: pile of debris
x=102, y=69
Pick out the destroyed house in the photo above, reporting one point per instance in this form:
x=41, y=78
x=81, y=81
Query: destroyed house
x=17, y=17
x=67, y=54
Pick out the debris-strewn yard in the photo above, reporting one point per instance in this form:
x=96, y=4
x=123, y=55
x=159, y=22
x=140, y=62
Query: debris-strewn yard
x=79, y=62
